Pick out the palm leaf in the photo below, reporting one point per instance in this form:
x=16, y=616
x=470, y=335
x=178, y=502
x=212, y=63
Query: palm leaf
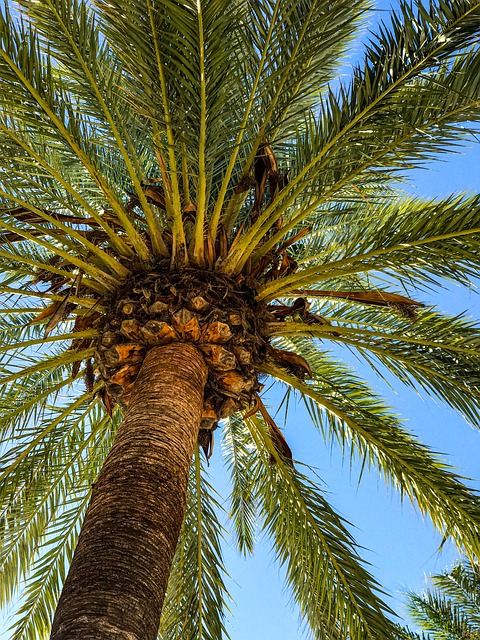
x=347, y=411
x=28, y=75
x=336, y=595
x=240, y=462
x=285, y=68
x=373, y=101
x=434, y=613
x=197, y=598
x=462, y=586
x=451, y=609
x=78, y=48
x=40, y=469
x=51, y=537
x=401, y=242
x=435, y=352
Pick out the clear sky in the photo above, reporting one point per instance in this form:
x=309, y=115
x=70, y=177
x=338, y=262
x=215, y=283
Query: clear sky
x=399, y=545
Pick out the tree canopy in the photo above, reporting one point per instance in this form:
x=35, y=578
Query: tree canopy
x=210, y=147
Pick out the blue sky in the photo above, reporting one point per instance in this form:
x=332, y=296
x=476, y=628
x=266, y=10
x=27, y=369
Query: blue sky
x=399, y=545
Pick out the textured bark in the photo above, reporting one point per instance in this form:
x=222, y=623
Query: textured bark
x=117, y=580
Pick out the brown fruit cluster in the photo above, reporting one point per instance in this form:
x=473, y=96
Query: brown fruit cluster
x=212, y=311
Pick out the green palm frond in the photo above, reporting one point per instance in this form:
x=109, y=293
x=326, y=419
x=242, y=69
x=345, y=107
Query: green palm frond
x=181, y=89
x=85, y=304
x=397, y=240
x=65, y=358
x=46, y=464
x=408, y=634
x=436, y=614
x=23, y=259
x=305, y=52
x=450, y=610
x=282, y=42
x=462, y=585
x=347, y=411
x=376, y=102
x=197, y=598
x=237, y=449
x=16, y=328
x=335, y=593
x=29, y=82
x=435, y=352
x=48, y=538
x=44, y=340
x=33, y=619
x=78, y=48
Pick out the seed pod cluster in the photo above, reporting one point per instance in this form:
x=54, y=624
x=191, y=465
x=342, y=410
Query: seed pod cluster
x=155, y=309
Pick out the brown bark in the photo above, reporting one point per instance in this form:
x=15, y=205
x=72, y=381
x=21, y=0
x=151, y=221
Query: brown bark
x=118, y=576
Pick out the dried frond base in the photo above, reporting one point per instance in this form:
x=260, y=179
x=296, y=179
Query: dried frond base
x=213, y=312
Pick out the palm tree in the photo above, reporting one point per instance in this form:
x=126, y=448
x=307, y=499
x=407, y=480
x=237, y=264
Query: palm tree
x=451, y=610
x=193, y=205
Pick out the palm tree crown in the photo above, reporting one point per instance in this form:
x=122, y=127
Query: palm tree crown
x=194, y=172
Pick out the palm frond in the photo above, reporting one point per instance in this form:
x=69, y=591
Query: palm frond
x=100, y=276
x=33, y=619
x=435, y=352
x=376, y=102
x=240, y=462
x=336, y=595
x=292, y=47
x=450, y=609
x=51, y=536
x=25, y=291
x=462, y=586
x=347, y=411
x=437, y=614
x=412, y=242
x=182, y=90
x=197, y=598
x=46, y=364
x=27, y=73
x=40, y=468
x=77, y=47
x=37, y=170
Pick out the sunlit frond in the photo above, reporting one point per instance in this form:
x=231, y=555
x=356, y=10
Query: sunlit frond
x=451, y=608
x=336, y=595
x=42, y=480
x=347, y=411
x=237, y=448
x=54, y=539
x=411, y=242
x=437, y=353
x=378, y=106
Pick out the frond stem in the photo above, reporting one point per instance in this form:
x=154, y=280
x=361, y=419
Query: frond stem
x=243, y=126
x=201, y=192
x=178, y=230
x=313, y=275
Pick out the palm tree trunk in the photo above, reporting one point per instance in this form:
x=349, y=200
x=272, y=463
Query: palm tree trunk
x=118, y=576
